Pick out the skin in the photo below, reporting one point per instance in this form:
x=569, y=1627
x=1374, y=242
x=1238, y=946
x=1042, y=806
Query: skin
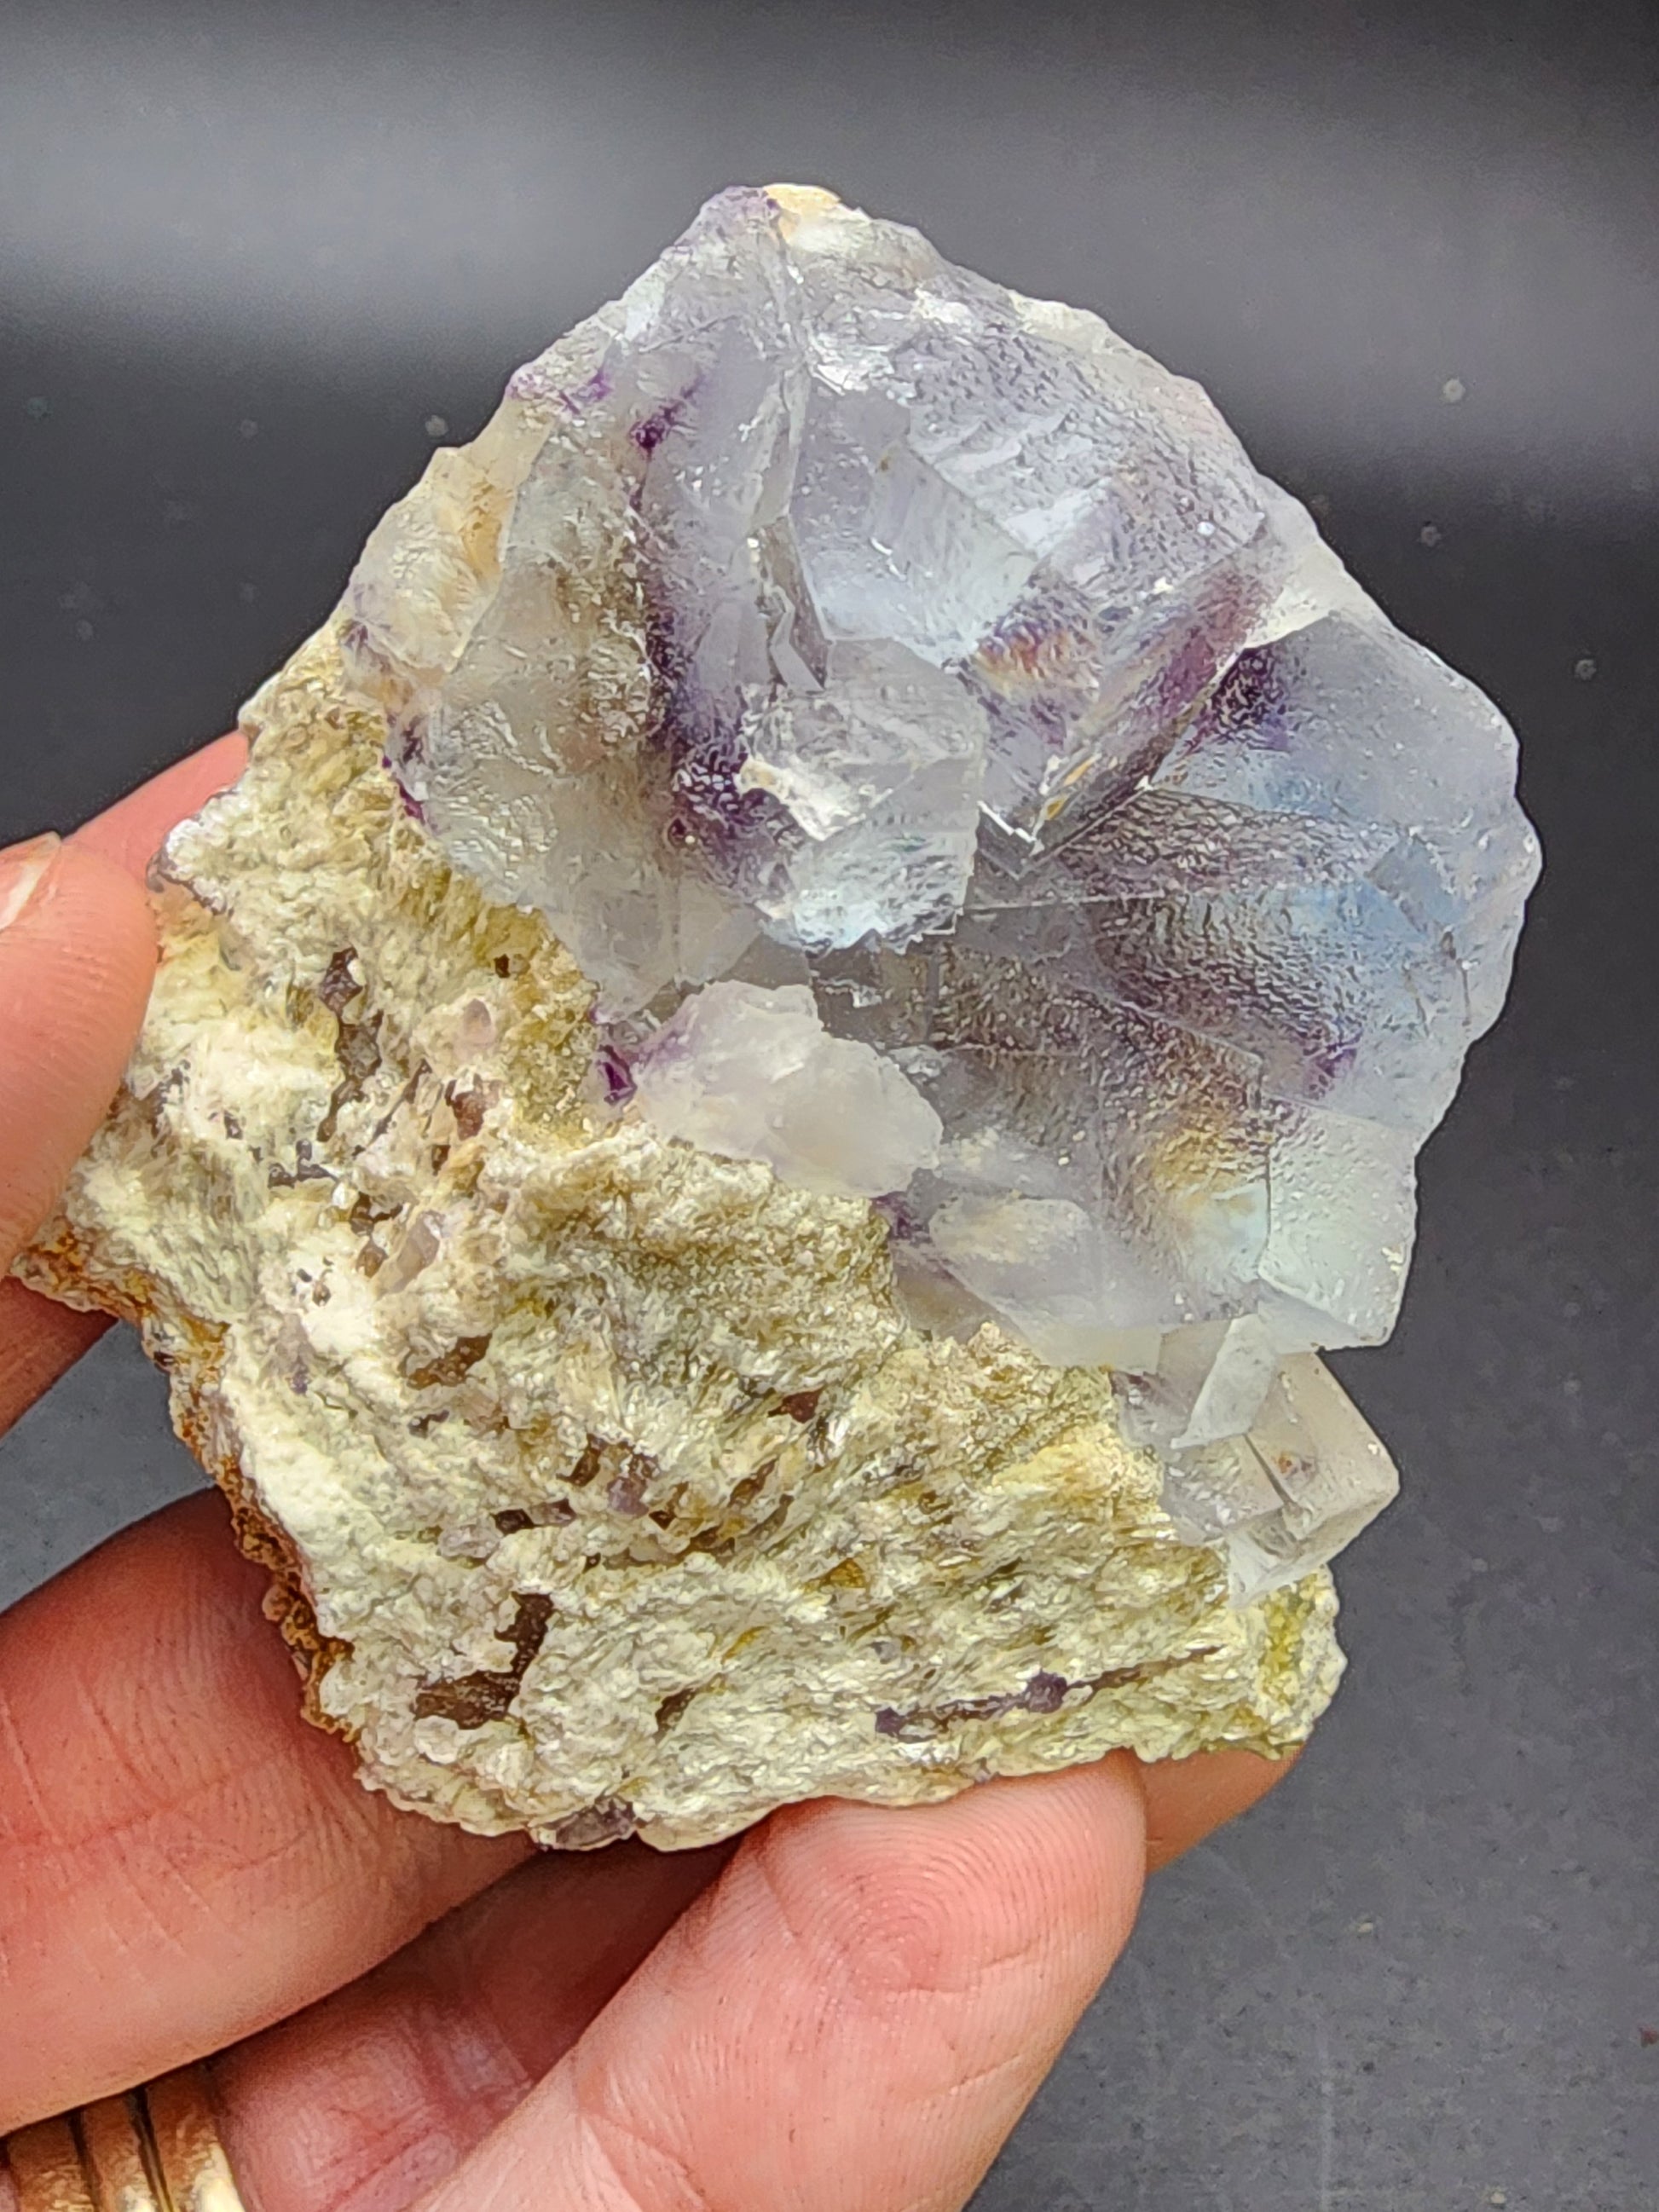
x=846, y=2009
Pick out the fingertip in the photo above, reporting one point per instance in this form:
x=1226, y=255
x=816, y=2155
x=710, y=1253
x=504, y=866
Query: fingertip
x=183, y=1859
x=1188, y=1799
x=77, y=958
x=86, y=895
x=38, y=1341
x=915, y=1894
x=132, y=832
x=854, y=2013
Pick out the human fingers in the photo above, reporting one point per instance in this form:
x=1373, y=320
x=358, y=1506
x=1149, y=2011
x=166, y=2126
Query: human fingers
x=1187, y=1799
x=77, y=950
x=130, y=832
x=39, y=1340
x=380, y=2091
x=214, y=1857
x=377, y=2093
x=850, y=2020
x=852, y=2016
x=183, y=1859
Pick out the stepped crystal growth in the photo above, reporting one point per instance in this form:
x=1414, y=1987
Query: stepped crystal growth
x=970, y=785
x=816, y=996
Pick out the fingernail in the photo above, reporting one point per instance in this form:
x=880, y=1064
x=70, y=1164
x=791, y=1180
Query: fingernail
x=21, y=871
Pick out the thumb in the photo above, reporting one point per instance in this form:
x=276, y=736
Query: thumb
x=849, y=2021
x=77, y=953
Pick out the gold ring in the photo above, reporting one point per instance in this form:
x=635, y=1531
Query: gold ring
x=156, y=2149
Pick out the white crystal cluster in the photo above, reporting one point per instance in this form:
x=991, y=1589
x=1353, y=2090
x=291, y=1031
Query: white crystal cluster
x=970, y=785
x=752, y=1074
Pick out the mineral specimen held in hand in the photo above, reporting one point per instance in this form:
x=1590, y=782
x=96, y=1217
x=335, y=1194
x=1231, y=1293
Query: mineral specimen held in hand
x=820, y=992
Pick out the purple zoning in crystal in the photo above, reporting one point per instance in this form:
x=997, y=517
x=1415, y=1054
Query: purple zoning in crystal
x=969, y=784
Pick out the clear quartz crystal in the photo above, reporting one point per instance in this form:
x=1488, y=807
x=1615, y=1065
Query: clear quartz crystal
x=969, y=783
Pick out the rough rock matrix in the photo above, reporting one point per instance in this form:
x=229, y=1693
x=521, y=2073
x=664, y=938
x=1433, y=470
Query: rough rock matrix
x=816, y=995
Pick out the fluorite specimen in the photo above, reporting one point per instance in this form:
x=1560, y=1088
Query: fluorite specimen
x=970, y=785
x=818, y=995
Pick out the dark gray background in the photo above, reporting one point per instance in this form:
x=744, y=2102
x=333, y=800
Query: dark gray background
x=247, y=260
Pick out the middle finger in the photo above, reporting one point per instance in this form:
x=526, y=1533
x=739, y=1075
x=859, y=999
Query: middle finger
x=376, y=2094
x=183, y=1858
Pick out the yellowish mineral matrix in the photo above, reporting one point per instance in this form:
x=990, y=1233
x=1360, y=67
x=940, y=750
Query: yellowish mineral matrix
x=604, y=1486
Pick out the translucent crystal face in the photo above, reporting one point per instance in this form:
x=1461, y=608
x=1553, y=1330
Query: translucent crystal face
x=968, y=784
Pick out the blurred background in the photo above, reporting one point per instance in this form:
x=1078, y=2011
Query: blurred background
x=254, y=264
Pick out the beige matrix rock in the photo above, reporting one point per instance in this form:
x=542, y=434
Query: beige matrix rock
x=699, y=1160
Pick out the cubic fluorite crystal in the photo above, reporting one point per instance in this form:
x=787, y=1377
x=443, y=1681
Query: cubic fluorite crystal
x=818, y=993
x=969, y=784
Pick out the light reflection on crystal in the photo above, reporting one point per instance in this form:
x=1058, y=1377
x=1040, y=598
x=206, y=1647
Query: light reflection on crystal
x=1289, y=1495
x=753, y=1074
x=963, y=776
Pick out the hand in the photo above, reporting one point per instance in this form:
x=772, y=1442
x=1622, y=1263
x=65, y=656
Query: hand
x=845, y=2012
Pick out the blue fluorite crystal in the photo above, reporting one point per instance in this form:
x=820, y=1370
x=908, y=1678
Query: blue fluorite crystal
x=967, y=781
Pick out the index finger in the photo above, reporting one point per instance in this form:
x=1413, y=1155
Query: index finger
x=39, y=1340
x=78, y=951
x=130, y=832
x=183, y=1858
